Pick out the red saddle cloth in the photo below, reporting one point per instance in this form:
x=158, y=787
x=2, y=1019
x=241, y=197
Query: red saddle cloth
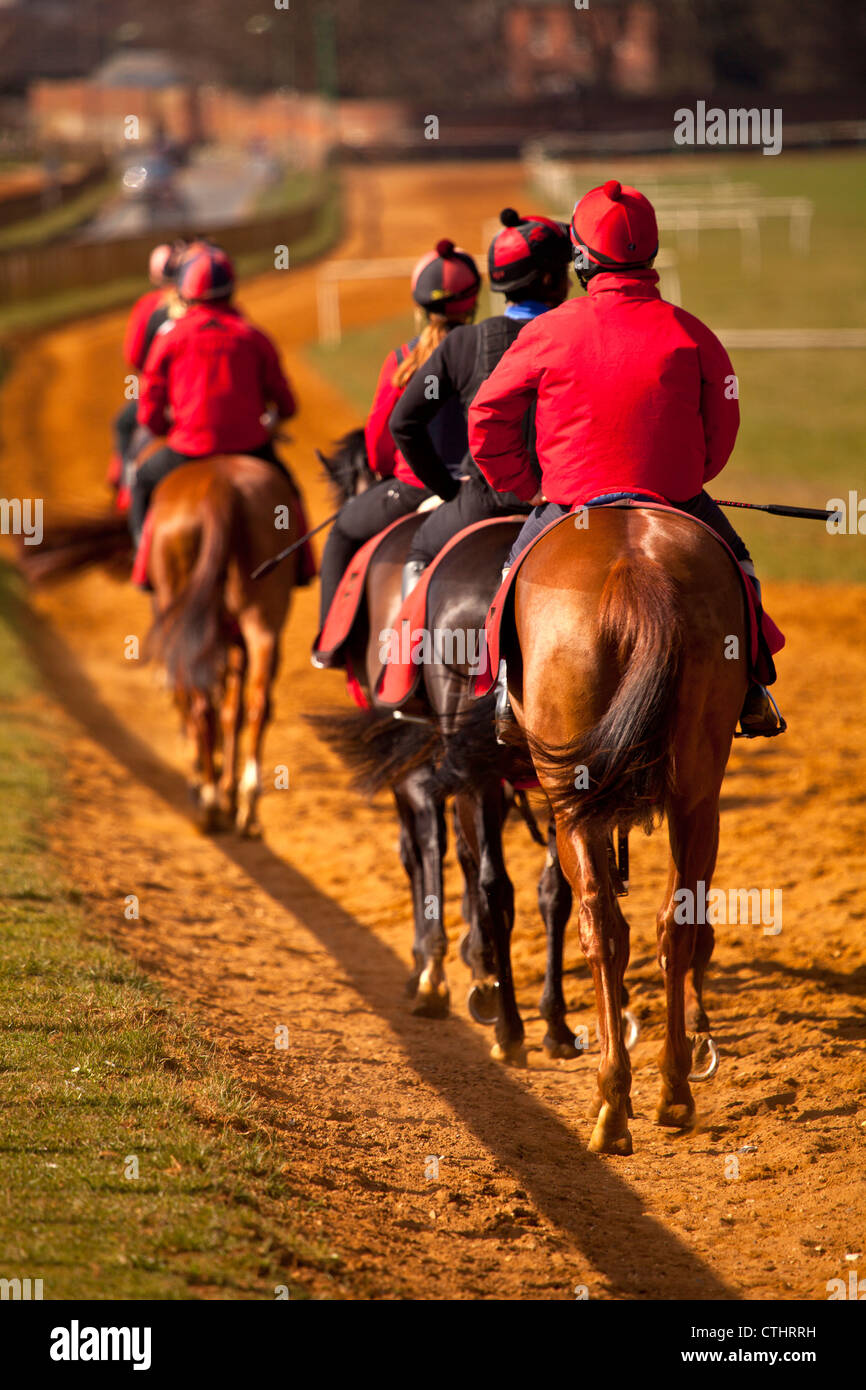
x=399, y=677
x=142, y=554
x=502, y=606
x=347, y=600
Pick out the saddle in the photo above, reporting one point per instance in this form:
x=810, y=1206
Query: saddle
x=399, y=678
x=337, y=627
x=501, y=611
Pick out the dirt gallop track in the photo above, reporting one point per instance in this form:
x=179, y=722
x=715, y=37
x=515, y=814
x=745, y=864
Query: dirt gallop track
x=310, y=927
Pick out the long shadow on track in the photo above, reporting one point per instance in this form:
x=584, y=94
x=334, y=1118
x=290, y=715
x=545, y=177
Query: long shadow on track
x=577, y=1191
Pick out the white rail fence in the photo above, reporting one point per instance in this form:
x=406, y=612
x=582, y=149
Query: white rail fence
x=336, y=273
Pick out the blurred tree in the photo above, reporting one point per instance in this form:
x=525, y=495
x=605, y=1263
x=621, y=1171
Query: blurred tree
x=431, y=50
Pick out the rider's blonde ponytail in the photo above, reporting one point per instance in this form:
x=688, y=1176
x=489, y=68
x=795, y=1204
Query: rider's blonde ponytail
x=434, y=331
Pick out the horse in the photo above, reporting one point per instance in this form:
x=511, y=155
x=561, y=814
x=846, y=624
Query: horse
x=626, y=683
x=480, y=774
x=215, y=629
x=397, y=754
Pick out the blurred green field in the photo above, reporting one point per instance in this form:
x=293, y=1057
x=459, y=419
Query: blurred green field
x=803, y=414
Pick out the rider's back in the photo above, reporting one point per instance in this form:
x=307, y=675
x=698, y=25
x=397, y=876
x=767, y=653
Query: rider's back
x=631, y=393
x=220, y=373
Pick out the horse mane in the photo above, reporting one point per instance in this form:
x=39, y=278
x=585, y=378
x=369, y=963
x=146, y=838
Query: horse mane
x=347, y=465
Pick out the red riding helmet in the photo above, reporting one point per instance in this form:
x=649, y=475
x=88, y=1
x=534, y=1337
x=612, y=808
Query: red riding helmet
x=205, y=273
x=446, y=281
x=525, y=249
x=614, y=228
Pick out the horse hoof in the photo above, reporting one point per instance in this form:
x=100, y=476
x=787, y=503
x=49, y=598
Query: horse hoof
x=679, y=1116
x=603, y=1142
x=705, y=1058
x=513, y=1055
x=483, y=1003
x=432, y=1004
x=561, y=1047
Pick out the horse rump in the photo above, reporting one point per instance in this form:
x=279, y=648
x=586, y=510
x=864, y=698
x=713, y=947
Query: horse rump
x=621, y=771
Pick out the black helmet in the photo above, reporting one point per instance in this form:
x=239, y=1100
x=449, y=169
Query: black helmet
x=525, y=249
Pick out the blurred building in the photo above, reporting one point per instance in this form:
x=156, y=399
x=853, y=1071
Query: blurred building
x=552, y=47
x=94, y=111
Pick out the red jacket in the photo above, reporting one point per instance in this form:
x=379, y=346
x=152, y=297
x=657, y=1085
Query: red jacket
x=384, y=457
x=135, y=341
x=217, y=374
x=632, y=393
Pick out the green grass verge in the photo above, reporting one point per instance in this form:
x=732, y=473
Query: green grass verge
x=291, y=190
x=95, y=1067
x=59, y=221
x=801, y=437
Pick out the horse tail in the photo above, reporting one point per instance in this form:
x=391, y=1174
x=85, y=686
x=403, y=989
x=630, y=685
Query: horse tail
x=378, y=750
x=187, y=635
x=622, y=770
x=74, y=545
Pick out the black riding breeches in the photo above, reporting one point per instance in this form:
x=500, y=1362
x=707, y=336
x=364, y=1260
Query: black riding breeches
x=125, y=425
x=476, y=501
x=360, y=518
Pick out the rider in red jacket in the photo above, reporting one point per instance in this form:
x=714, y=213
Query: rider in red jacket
x=146, y=317
x=445, y=286
x=632, y=394
x=208, y=382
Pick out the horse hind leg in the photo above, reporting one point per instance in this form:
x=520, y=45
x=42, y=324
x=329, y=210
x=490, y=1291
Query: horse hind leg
x=423, y=817
x=555, y=901
x=231, y=719
x=496, y=903
x=604, y=939
x=684, y=946
x=202, y=719
x=476, y=949
x=410, y=858
x=261, y=644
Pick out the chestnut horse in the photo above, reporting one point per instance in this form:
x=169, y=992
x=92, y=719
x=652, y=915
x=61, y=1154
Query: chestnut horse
x=217, y=630
x=621, y=683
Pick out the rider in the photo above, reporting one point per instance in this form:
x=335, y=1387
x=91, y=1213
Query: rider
x=445, y=286
x=146, y=317
x=631, y=394
x=528, y=263
x=215, y=374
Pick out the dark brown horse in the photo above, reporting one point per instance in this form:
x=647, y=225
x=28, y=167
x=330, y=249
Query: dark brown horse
x=621, y=683
x=387, y=753
x=217, y=630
